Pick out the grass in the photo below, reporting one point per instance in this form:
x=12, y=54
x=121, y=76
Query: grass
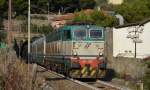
x=147, y=76
x=14, y=73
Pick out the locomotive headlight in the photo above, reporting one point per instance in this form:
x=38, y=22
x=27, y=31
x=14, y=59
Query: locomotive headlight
x=75, y=53
x=100, y=51
x=100, y=54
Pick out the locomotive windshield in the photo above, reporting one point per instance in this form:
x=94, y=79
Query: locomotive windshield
x=67, y=34
x=80, y=34
x=96, y=34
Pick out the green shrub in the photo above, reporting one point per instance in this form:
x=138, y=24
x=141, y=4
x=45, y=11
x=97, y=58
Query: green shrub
x=97, y=18
x=1, y=23
x=3, y=36
x=39, y=17
x=2, y=82
x=45, y=29
x=147, y=77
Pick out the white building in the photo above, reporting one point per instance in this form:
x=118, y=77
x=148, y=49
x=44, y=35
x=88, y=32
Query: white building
x=115, y=2
x=124, y=46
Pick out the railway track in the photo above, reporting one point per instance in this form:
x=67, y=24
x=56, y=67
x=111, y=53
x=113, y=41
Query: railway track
x=92, y=85
x=86, y=85
x=106, y=86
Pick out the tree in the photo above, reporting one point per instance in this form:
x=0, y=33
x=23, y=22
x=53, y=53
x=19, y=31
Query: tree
x=3, y=35
x=103, y=20
x=39, y=6
x=134, y=11
x=3, y=8
x=71, y=5
x=85, y=4
x=20, y=7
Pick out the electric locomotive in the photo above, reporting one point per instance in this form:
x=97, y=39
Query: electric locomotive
x=76, y=50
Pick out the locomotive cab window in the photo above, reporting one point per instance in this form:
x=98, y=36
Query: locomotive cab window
x=67, y=34
x=96, y=34
x=80, y=34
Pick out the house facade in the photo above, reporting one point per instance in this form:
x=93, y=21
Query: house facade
x=132, y=40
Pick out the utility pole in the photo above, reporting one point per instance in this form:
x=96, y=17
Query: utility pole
x=9, y=23
x=48, y=11
x=135, y=46
x=29, y=22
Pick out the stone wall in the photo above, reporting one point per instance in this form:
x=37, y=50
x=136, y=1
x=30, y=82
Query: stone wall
x=128, y=67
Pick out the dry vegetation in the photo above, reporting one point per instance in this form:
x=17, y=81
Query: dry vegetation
x=14, y=73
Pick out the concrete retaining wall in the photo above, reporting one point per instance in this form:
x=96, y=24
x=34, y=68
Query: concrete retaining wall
x=124, y=67
x=128, y=67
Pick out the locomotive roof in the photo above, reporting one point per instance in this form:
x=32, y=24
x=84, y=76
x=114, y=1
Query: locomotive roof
x=38, y=40
x=74, y=27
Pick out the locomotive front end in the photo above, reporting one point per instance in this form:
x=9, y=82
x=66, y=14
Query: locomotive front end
x=87, y=59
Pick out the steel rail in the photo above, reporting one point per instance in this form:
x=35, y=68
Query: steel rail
x=86, y=84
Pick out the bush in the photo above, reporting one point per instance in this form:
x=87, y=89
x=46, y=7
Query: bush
x=1, y=23
x=21, y=17
x=81, y=17
x=3, y=36
x=39, y=17
x=97, y=18
x=2, y=82
x=147, y=77
x=42, y=29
